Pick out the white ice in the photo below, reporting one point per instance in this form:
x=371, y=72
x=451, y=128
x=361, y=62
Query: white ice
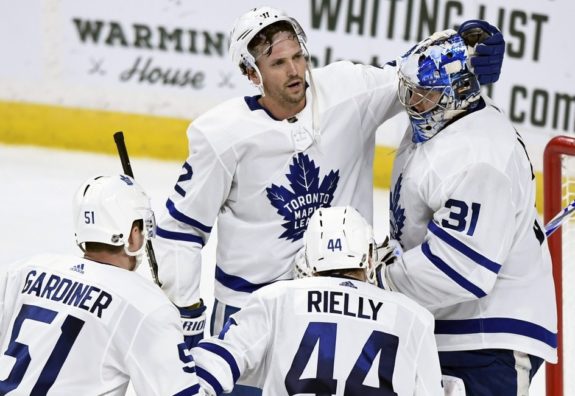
x=36, y=191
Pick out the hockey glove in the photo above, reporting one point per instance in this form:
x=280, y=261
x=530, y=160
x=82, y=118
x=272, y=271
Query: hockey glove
x=487, y=47
x=388, y=253
x=193, y=323
x=301, y=268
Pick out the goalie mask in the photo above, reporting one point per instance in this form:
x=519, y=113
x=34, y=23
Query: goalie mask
x=248, y=26
x=436, y=83
x=105, y=208
x=339, y=238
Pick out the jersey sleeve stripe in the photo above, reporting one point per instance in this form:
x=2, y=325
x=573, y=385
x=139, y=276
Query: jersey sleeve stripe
x=224, y=354
x=237, y=283
x=176, y=214
x=191, y=391
x=451, y=273
x=210, y=379
x=463, y=249
x=497, y=325
x=179, y=236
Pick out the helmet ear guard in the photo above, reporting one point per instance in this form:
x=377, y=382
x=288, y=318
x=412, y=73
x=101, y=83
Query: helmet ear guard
x=464, y=86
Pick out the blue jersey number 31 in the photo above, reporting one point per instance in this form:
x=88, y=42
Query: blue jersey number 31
x=458, y=216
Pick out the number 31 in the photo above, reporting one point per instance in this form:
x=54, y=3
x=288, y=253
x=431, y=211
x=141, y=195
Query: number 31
x=458, y=216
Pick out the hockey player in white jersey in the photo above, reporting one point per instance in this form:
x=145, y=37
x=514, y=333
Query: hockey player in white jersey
x=87, y=326
x=462, y=207
x=261, y=165
x=333, y=333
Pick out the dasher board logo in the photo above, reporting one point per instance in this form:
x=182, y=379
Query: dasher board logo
x=305, y=194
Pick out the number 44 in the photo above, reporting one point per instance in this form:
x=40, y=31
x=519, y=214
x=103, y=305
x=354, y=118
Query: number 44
x=324, y=383
x=334, y=244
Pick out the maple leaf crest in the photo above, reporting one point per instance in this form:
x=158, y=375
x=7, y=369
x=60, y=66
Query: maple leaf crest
x=396, y=212
x=306, y=195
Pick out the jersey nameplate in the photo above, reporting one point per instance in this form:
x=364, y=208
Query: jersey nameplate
x=67, y=291
x=337, y=302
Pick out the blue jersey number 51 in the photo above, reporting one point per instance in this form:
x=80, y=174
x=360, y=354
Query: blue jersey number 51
x=70, y=330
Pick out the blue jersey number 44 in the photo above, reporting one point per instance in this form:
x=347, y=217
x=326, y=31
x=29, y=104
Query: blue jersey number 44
x=324, y=384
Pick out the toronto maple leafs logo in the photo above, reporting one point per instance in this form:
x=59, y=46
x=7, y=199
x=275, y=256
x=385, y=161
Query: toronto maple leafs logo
x=126, y=180
x=306, y=195
x=396, y=212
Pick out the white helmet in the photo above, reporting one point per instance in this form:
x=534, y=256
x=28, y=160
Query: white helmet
x=247, y=26
x=339, y=238
x=105, y=208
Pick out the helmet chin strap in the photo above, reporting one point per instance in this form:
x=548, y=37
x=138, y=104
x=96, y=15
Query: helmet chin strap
x=138, y=254
x=259, y=86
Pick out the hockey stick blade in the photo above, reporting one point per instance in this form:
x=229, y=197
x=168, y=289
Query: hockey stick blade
x=127, y=168
x=560, y=218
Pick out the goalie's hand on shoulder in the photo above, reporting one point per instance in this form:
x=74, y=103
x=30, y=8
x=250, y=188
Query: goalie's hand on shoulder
x=193, y=323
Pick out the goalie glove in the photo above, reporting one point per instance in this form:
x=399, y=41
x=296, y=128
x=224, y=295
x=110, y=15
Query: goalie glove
x=193, y=323
x=388, y=252
x=486, y=48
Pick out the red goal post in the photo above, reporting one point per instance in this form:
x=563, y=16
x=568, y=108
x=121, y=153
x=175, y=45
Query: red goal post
x=558, y=191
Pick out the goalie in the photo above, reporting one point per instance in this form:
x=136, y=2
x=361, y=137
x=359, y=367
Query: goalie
x=463, y=209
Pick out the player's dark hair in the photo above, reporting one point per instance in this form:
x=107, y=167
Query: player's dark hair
x=355, y=273
x=265, y=37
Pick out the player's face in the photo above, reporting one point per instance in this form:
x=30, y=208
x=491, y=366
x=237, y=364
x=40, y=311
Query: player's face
x=424, y=100
x=283, y=74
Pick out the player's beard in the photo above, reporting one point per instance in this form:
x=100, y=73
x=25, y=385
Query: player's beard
x=298, y=97
x=286, y=98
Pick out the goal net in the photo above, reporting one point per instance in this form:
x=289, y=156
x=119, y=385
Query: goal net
x=559, y=191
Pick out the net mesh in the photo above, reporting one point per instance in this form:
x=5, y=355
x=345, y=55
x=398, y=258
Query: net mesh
x=568, y=265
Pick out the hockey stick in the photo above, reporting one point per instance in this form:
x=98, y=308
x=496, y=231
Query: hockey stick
x=127, y=167
x=560, y=218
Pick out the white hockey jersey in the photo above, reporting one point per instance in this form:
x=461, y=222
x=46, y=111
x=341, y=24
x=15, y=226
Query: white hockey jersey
x=70, y=326
x=475, y=254
x=263, y=178
x=324, y=335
